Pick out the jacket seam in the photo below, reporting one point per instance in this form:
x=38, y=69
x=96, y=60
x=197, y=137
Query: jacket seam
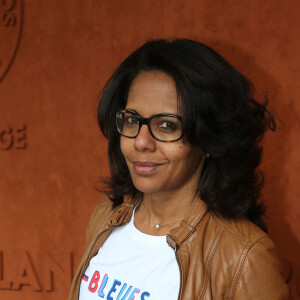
x=240, y=264
x=221, y=221
x=210, y=259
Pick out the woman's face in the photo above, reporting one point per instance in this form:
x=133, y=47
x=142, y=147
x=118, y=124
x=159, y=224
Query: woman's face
x=157, y=166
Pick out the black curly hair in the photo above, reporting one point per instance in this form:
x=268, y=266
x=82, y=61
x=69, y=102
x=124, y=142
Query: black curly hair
x=219, y=116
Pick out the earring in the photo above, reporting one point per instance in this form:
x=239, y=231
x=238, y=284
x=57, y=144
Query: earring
x=207, y=155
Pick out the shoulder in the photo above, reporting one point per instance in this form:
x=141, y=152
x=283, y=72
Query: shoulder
x=238, y=238
x=242, y=230
x=233, y=234
x=256, y=271
x=99, y=216
x=249, y=256
x=103, y=206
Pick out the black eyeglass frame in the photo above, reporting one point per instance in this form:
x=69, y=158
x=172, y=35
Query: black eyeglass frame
x=146, y=121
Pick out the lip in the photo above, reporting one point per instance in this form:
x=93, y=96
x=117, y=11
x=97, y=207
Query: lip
x=145, y=167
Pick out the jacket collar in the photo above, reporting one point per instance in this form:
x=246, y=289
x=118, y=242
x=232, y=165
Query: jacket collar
x=188, y=225
x=123, y=214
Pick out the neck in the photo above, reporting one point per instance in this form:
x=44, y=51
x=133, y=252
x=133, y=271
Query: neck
x=169, y=207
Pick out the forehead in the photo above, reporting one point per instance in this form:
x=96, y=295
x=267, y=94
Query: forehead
x=153, y=93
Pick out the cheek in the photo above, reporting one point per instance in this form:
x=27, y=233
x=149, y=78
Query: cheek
x=179, y=152
x=184, y=156
x=125, y=146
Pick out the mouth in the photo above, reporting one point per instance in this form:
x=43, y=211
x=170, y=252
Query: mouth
x=145, y=168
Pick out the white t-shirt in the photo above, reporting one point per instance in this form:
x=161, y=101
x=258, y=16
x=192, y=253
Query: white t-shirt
x=132, y=265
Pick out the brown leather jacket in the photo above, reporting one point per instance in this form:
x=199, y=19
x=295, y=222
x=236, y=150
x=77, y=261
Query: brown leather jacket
x=218, y=258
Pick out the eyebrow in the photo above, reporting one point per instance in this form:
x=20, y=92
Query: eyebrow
x=132, y=110
x=135, y=112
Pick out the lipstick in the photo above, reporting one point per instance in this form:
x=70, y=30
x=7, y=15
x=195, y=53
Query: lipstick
x=145, y=168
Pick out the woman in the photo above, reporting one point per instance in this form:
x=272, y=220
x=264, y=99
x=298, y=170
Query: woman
x=181, y=220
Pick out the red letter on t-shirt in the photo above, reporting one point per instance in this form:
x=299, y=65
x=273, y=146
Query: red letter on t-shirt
x=94, y=282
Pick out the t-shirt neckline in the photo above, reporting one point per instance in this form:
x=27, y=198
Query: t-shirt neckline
x=144, y=237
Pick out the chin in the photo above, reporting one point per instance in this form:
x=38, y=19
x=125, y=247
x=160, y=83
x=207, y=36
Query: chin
x=147, y=186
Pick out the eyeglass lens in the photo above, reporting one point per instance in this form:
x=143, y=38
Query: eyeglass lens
x=164, y=128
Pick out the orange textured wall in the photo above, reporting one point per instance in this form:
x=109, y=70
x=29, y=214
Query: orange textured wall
x=55, y=56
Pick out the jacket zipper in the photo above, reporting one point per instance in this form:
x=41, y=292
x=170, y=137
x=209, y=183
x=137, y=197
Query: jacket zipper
x=180, y=279
x=179, y=265
x=85, y=261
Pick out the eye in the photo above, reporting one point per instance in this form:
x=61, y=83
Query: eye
x=168, y=126
x=131, y=120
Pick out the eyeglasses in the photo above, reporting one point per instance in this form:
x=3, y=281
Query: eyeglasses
x=163, y=127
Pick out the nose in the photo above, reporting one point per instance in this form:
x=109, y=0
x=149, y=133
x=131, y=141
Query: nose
x=144, y=140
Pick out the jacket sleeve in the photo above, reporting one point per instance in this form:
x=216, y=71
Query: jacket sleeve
x=258, y=275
